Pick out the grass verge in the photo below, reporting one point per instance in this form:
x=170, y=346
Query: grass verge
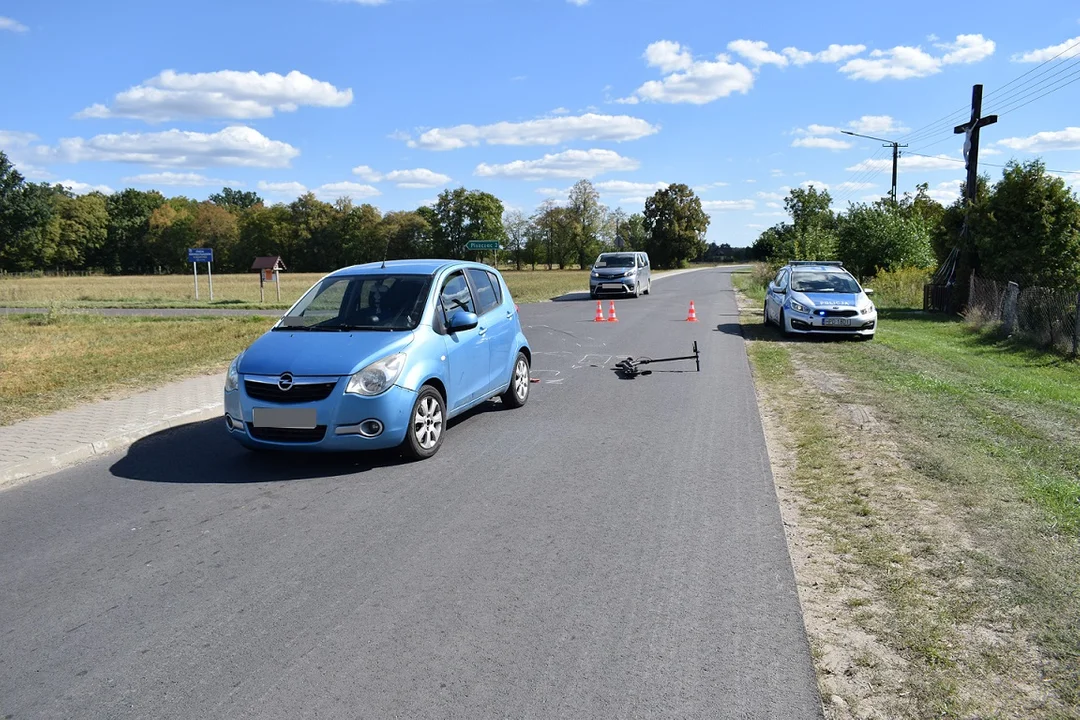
x=49, y=362
x=931, y=483
x=230, y=291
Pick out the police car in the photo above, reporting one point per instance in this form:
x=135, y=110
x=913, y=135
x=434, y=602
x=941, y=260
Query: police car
x=820, y=297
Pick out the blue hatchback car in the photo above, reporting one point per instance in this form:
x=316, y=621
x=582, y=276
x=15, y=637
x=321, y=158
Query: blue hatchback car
x=380, y=356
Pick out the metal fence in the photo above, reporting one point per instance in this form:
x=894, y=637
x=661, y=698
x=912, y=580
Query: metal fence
x=1048, y=318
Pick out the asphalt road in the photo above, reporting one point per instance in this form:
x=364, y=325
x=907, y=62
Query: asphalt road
x=612, y=550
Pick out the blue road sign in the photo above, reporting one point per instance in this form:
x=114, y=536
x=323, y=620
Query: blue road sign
x=200, y=255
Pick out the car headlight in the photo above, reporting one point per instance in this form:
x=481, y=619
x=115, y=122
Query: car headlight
x=629, y=273
x=232, y=377
x=867, y=310
x=595, y=274
x=799, y=307
x=377, y=377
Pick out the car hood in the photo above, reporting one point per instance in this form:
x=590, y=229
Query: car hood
x=612, y=272
x=319, y=353
x=831, y=300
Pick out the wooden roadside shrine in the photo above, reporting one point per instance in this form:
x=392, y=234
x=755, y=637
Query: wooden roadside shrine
x=268, y=268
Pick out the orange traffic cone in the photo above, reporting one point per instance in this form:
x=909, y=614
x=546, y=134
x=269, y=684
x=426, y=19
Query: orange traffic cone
x=692, y=317
x=611, y=313
x=599, y=311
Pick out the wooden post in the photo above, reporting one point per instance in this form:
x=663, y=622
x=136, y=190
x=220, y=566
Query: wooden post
x=1009, y=312
x=277, y=283
x=262, y=293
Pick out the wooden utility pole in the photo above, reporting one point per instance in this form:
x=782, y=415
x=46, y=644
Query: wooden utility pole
x=895, y=157
x=971, y=142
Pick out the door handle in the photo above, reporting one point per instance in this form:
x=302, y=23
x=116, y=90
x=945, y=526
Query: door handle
x=509, y=314
x=482, y=331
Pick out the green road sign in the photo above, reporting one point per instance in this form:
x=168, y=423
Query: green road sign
x=482, y=245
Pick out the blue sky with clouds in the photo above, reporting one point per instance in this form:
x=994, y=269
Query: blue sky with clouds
x=390, y=102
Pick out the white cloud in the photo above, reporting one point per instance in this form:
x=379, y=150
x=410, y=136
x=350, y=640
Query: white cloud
x=289, y=189
x=727, y=205
x=690, y=81
x=755, y=226
x=945, y=193
x=544, y=131
x=816, y=136
x=1071, y=179
x=772, y=213
x=1068, y=49
x=15, y=139
x=553, y=192
x=903, y=62
x=821, y=142
x=567, y=164
x=579, y=3
x=235, y=146
x=81, y=188
x=178, y=180
x=757, y=52
x=1067, y=139
x=406, y=179
x=224, y=94
x=900, y=63
x=668, y=56
x=816, y=184
x=332, y=191
x=774, y=196
x=833, y=54
x=7, y=23
x=967, y=49
x=560, y=111
x=911, y=162
x=877, y=125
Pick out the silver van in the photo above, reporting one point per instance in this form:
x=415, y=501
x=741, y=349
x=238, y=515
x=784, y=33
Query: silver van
x=621, y=272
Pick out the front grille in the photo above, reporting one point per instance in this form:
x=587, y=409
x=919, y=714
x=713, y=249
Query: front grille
x=287, y=435
x=299, y=393
x=840, y=313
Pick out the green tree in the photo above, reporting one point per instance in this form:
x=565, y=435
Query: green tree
x=462, y=216
x=264, y=231
x=882, y=236
x=316, y=234
x=516, y=230
x=676, y=225
x=404, y=234
x=1031, y=231
x=586, y=217
x=81, y=226
x=813, y=225
x=235, y=200
x=128, y=249
x=26, y=210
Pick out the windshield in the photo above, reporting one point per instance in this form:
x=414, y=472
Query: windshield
x=823, y=282
x=361, y=302
x=615, y=261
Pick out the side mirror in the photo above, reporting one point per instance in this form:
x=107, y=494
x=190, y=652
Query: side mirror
x=772, y=287
x=462, y=320
x=868, y=291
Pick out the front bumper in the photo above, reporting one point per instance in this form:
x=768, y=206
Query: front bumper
x=612, y=285
x=339, y=420
x=811, y=323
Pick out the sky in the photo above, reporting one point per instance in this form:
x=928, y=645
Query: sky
x=392, y=101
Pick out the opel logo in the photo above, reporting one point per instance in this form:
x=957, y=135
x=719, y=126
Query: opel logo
x=285, y=382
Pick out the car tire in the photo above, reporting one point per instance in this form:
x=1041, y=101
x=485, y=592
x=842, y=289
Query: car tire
x=518, y=393
x=648, y=288
x=765, y=314
x=427, y=425
x=783, y=324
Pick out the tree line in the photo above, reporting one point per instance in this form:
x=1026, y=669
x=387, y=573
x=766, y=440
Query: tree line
x=1024, y=228
x=47, y=227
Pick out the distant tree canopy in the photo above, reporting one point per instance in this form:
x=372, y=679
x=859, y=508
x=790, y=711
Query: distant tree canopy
x=46, y=227
x=1026, y=228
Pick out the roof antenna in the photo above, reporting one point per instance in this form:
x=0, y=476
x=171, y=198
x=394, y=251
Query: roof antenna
x=386, y=252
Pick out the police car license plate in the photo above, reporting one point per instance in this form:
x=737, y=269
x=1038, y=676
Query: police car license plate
x=842, y=322
x=284, y=418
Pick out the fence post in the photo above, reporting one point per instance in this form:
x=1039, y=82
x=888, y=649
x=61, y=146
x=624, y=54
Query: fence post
x=1076, y=328
x=1009, y=312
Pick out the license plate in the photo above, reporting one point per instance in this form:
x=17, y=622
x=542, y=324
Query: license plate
x=284, y=418
x=842, y=322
